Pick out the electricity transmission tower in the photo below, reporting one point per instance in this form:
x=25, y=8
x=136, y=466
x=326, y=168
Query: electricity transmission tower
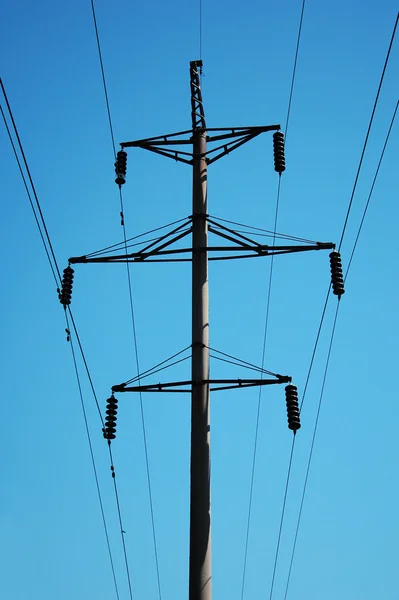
x=199, y=147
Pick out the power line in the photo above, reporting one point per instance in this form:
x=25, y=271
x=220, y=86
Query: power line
x=317, y=340
x=265, y=332
x=294, y=70
x=110, y=453
x=131, y=305
x=141, y=409
x=282, y=517
x=52, y=259
x=343, y=232
x=372, y=189
x=259, y=396
x=50, y=253
x=103, y=76
x=331, y=340
x=250, y=499
x=323, y=314
x=368, y=132
x=113, y=474
x=93, y=461
x=311, y=448
x=86, y=365
x=57, y=282
x=47, y=236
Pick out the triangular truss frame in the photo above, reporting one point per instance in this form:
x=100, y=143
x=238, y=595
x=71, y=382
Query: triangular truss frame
x=239, y=246
x=232, y=138
x=185, y=386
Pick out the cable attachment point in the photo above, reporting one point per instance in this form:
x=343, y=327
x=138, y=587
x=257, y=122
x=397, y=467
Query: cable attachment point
x=278, y=149
x=337, y=280
x=291, y=398
x=110, y=420
x=120, y=167
x=66, y=287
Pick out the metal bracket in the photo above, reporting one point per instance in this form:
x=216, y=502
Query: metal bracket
x=186, y=386
x=234, y=137
x=160, y=250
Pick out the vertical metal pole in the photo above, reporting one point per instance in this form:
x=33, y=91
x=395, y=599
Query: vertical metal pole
x=200, y=584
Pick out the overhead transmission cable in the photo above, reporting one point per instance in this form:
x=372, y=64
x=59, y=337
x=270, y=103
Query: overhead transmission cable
x=328, y=356
x=41, y=225
x=280, y=529
x=40, y=222
x=89, y=377
x=103, y=75
x=113, y=474
x=93, y=459
x=52, y=267
x=346, y=274
x=368, y=132
x=131, y=306
x=48, y=247
x=371, y=189
x=265, y=339
x=49, y=253
x=45, y=236
x=294, y=69
x=341, y=240
x=256, y=434
x=312, y=446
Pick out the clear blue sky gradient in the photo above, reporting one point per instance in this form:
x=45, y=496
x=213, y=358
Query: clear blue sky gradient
x=52, y=540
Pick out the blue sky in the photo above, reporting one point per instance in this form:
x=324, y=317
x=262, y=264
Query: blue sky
x=53, y=543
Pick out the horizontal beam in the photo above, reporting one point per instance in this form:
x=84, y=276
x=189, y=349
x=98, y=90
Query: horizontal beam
x=224, y=384
x=160, y=144
x=233, y=132
x=258, y=250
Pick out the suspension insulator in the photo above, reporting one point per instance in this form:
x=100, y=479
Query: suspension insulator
x=120, y=167
x=110, y=420
x=278, y=148
x=337, y=280
x=66, y=287
x=291, y=397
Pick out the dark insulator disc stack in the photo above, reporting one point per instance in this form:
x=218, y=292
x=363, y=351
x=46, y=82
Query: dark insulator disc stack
x=120, y=167
x=278, y=148
x=66, y=288
x=337, y=280
x=110, y=420
x=291, y=397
